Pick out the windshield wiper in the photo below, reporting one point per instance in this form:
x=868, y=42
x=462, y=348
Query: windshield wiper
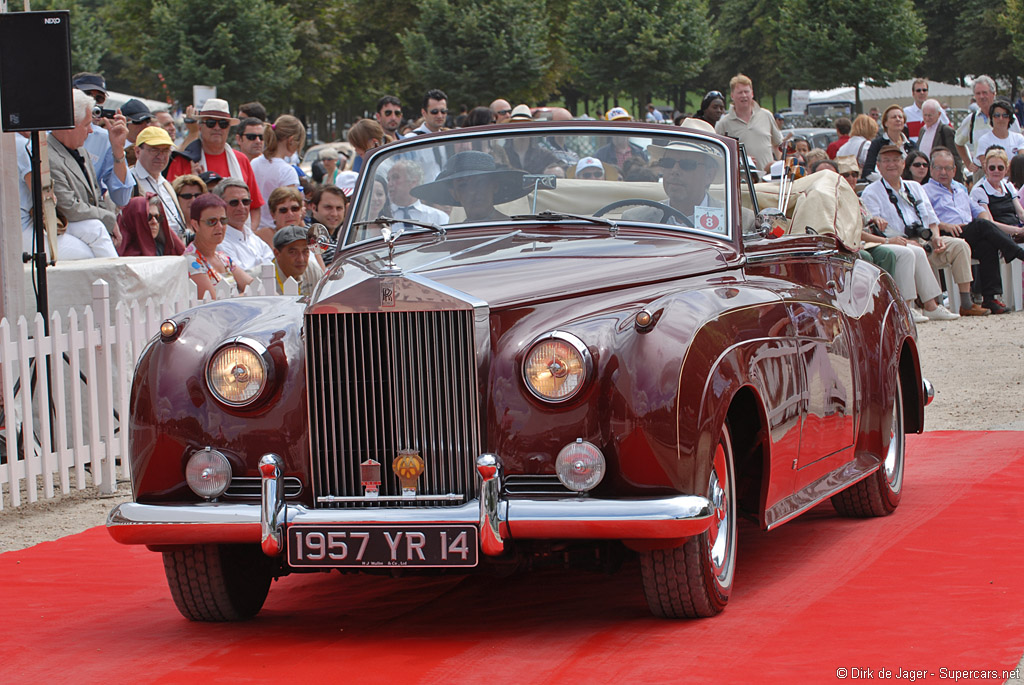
x=391, y=221
x=562, y=216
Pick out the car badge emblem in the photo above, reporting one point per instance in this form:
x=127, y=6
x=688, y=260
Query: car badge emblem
x=387, y=293
x=369, y=474
x=408, y=466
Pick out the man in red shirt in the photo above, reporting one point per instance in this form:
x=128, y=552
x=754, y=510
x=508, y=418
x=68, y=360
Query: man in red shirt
x=843, y=126
x=212, y=153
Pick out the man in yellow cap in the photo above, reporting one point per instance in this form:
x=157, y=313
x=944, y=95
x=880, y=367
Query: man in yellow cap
x=152, y=152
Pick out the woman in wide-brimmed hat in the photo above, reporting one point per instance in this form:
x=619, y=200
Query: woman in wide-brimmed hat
x=473, y=181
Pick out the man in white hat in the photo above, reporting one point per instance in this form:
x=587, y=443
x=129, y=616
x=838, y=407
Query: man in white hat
x=152, y=152
x=211, y=153
x=590, y=168
x=687, y=170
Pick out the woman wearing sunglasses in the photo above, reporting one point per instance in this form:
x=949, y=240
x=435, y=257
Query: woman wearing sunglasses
x=188, y=188
x=1001, y=116
x=282, y=139
x=996, y=194
x=208, y=266
x=145, y=231
x=917, y=167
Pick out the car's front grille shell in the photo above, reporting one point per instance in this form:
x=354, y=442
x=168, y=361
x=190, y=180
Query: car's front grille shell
x=380, y=382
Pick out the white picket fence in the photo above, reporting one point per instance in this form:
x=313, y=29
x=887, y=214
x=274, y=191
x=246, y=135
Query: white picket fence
x=76, y=435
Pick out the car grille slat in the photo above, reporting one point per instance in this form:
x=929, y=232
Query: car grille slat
x=380, y=382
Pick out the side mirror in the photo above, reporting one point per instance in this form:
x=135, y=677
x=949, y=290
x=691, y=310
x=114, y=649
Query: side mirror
x=771, y=223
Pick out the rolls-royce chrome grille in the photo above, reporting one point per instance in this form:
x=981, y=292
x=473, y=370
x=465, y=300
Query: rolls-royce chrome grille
x=382, y=382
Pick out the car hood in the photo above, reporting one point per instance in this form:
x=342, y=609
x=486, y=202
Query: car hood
x=512, y=267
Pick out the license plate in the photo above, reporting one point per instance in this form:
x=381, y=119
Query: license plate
x=425, y=546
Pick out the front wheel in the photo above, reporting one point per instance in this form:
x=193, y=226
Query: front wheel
x=695, y=579
x=879, y=494
x=218, y=582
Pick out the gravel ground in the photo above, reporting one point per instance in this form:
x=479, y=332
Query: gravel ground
x=976, y=365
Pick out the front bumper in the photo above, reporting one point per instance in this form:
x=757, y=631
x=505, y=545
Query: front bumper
x=499, y=518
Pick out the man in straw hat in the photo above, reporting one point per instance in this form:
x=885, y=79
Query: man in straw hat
x=211, y=153
x=687, y=168
x=472, y=180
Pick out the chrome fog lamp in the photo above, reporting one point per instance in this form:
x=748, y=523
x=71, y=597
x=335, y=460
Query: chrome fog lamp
x=208, y=473
x=556, y=367
x=238, y=372
x=580, y=466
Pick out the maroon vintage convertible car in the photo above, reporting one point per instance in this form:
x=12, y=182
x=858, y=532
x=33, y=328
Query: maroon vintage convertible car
x=508, y=365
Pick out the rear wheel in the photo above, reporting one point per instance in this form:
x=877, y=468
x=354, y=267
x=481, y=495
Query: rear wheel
x=695, y=579
x=218, y=582
x=879, y=494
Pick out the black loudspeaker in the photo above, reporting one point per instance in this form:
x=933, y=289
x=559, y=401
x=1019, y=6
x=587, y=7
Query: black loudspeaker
x=35, y=71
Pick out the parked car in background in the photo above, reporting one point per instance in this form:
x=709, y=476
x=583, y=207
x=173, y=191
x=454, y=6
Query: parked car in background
x=311, y=157
x=547, y=371
x=817, y=137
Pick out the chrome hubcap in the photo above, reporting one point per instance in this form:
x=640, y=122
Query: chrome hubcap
x=894, y=455
x=721, y=535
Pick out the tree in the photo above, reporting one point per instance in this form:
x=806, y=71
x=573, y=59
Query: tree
x=244, y=47
x=639, y=46
x=828, y=43
x=476, y=52
x=752, y=48
x=942, y=24
x=89, y=36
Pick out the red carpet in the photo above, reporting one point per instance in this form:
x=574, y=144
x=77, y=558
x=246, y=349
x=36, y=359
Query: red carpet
x=940, y=584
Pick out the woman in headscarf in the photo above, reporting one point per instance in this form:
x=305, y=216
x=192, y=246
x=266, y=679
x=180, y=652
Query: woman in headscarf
x=712, y=107
x=145, y=231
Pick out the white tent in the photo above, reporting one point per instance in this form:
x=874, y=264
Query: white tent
x=115, y=100
x=896, y=93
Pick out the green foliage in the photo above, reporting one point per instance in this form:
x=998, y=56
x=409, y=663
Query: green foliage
x=752, y=48
x=942, y=24
x=477, y=52
x=244, y=47
x=990, y=39
x=636, y=47
x=89, y=36
x=827, y=43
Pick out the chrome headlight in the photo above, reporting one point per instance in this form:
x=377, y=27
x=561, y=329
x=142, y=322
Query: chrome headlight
x=239, y=371
x=557, y=367
x=208, y=473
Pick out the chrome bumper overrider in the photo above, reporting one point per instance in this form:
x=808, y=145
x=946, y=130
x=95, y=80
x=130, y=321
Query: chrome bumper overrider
x=499, y=519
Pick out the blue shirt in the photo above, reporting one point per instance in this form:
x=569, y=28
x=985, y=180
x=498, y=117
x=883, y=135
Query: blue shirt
x=952, y=205
x=98, y=147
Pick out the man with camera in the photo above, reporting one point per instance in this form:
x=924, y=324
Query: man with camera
x=115, y=184
x=911, y=219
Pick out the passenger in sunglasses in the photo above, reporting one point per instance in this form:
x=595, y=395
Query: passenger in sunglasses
x=240, y=243
x=249, y=138
x=188, y=188
x=1001, y=116
x=212, y=153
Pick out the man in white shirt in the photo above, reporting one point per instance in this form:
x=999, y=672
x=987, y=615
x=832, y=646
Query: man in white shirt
x=403, y=176
x=435, y=114
x=904, y=205
x=914, y=114
x=152, y=152
x=243, y=246
x=976, y=125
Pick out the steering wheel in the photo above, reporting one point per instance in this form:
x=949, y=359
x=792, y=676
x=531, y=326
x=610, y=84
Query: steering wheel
x=666, y=210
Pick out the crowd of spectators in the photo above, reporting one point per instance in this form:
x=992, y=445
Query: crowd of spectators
x=130, y=183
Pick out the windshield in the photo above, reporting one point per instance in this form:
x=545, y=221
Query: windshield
x=676, y=180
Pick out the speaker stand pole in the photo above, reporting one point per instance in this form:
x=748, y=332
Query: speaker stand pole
x=42, y=302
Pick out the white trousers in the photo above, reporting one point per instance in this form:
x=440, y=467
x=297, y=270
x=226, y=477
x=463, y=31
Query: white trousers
x=914, y=276
x=82, y=240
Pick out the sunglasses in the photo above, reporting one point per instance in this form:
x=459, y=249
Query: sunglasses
x=291, y=209
x=593, y=174
x=919, y=164
x=237, y=201
x=438, y=111
x=503, y=111
x=1001, y=115
x=223, y=220
x=189, y=196
x=253, y=136
x=391, y=112
x=684, y=164
x=714, y=94
x=850, y=174
x=96, y=95
x=997, y=168
x=920, y=90
x=214, y=123
x=154, y=217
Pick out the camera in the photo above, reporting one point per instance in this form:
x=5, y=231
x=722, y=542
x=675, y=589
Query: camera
x=103, y=113
x=918, y=230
